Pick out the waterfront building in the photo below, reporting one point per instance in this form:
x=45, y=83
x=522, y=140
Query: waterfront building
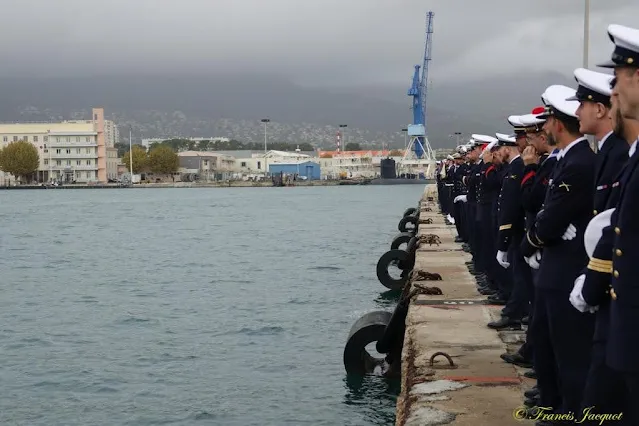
x=70, y=151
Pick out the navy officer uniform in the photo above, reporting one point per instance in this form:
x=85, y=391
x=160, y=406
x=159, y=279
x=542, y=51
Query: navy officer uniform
x=622, y=348
x=510, y=233
x=459, y=171
x=471, y=180
x=562, y=335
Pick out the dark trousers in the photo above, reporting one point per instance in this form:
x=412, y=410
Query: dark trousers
x=527, y=350
x=605, y=388
x=563, y=341
x=458, y=214
x=488, y=244
x=471, y=211
x=518, y=304
x=631, y=410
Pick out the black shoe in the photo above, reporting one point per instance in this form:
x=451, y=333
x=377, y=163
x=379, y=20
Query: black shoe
x=459, y=240
x=516, y=359
x=497, y=300
x=532, y=374
x=525, y=320
x=532, y=393
x=485, y=291
x=531, y=402
x=505, y=322
x=469, y=262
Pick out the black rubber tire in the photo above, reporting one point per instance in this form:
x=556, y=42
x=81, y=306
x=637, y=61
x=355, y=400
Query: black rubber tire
x=409, y=211
x=384, y=262
x=402, y=238
x=414, y=220
x=394, y=333
x=366, y=330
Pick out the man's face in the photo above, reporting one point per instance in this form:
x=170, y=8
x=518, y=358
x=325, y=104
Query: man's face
x=615, y=116
x=497, y=156
x=589, y=114
x=627, y=88
x=521, y=141
x=550, y=127
x=537, y=140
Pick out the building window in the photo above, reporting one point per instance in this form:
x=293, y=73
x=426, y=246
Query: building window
x=46, y=161
x=57, y=151
x=88, y=162
x=58, y=162
x=78, y=162
x=78, y=150
x=5, y=139
x=68, y=162
x=68, y=138
x=89, y=150
x=35, y=139
x=259, y=165
x=68, y=151
x=243, y=163
x=25, y=138
x=46, y=150
x=88, y=139
x=46, y=138
x=15, y=139
x=77, y=138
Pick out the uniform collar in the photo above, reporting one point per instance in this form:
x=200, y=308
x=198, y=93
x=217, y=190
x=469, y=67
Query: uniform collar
x=510, y=162
x=564, y=151
x=603, y=140
x=633, y=148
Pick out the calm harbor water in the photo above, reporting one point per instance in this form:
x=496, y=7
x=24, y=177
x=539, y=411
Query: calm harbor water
x=191, y=306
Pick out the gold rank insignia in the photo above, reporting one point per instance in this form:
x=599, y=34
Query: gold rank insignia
x=565, y=185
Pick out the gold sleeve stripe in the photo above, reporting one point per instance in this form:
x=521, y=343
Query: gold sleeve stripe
x=530, y=241
x=602, y=266
x=504, y=227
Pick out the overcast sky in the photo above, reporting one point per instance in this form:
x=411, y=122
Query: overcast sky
x=323, y=42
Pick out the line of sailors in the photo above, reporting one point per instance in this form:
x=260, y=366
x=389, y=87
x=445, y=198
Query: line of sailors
x=553, y=227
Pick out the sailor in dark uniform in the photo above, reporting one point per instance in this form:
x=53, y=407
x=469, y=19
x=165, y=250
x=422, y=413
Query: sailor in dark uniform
x=471, y=181
x=562, y=335
x=622, y=348
x=510, y=233
x=459, y=193
x=539, y=159
x=604, y=388
x=448, y=187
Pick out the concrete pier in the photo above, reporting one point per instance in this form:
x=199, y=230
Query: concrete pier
x=480, y=389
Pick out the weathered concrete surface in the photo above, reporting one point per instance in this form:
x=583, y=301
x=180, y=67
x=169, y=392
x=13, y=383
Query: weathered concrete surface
x=491, y=389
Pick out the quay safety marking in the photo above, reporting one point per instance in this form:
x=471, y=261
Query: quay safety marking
x=481, y=379
x=464, y=302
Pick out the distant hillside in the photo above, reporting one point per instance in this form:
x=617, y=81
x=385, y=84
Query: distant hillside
x=223, y=105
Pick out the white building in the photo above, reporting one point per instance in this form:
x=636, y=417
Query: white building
x=352, y=164
x=150, y=141
x=70, y=151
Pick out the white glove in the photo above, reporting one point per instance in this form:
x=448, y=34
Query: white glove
x=571, y=232
x=502, y=259
x=534, y=260
x=576, y=298
x=451, y=219
x=457, y=198
x=463, y=198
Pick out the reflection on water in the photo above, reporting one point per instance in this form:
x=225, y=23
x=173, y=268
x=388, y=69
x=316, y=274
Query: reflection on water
x=377, y=393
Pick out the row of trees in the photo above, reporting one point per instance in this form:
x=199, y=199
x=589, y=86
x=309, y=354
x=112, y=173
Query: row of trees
x=20, y=158
x=160, y=159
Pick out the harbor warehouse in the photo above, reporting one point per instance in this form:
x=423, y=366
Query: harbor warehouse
x=307, y=169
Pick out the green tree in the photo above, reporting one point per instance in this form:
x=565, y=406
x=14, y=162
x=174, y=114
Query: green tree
x=20, y=158
x=140, y=159
x=352, y=146
x=396, y=153
x=163, y=160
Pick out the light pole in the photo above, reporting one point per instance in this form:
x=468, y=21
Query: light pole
x=131, y=154
x=458, y=136
x=586, y=31
x=343, y=126
x=405, y=130
x=265, y=121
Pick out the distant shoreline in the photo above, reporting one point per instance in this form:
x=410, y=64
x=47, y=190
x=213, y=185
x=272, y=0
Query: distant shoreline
x=237, y=184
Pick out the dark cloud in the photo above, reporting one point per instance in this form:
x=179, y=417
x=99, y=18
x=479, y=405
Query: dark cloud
x=314, y=42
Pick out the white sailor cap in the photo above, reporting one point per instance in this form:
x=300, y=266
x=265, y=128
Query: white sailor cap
x=490, y=146
x=505, y=140
x=593, y=86
x=626, y=51
x=515, y=121
x=531, y=122
x=456, y=156
x=449, y=157
x=483, y=139
x=555, y=98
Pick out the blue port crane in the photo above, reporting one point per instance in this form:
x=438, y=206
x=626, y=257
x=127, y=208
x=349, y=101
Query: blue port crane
x=419, y=147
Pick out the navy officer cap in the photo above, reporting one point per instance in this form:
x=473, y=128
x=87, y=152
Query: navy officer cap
x=593, y=86
x=626, y=51
x=555, y=99
x=505, y=140
x=515, y=121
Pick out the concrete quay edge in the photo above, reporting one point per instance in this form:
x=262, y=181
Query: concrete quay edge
x=480, y=389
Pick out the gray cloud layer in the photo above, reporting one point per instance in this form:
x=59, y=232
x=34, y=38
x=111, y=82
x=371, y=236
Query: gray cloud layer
x=318, y=42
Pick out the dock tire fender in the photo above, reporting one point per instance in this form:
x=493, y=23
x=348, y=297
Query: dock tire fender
x=409, y=211
x=402, y=259
x=414, y=220
x=395, y=329
x=400, y=239
x=367, y=329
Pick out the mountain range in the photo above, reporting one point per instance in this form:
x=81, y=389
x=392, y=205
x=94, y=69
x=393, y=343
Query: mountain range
x=232, y=106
